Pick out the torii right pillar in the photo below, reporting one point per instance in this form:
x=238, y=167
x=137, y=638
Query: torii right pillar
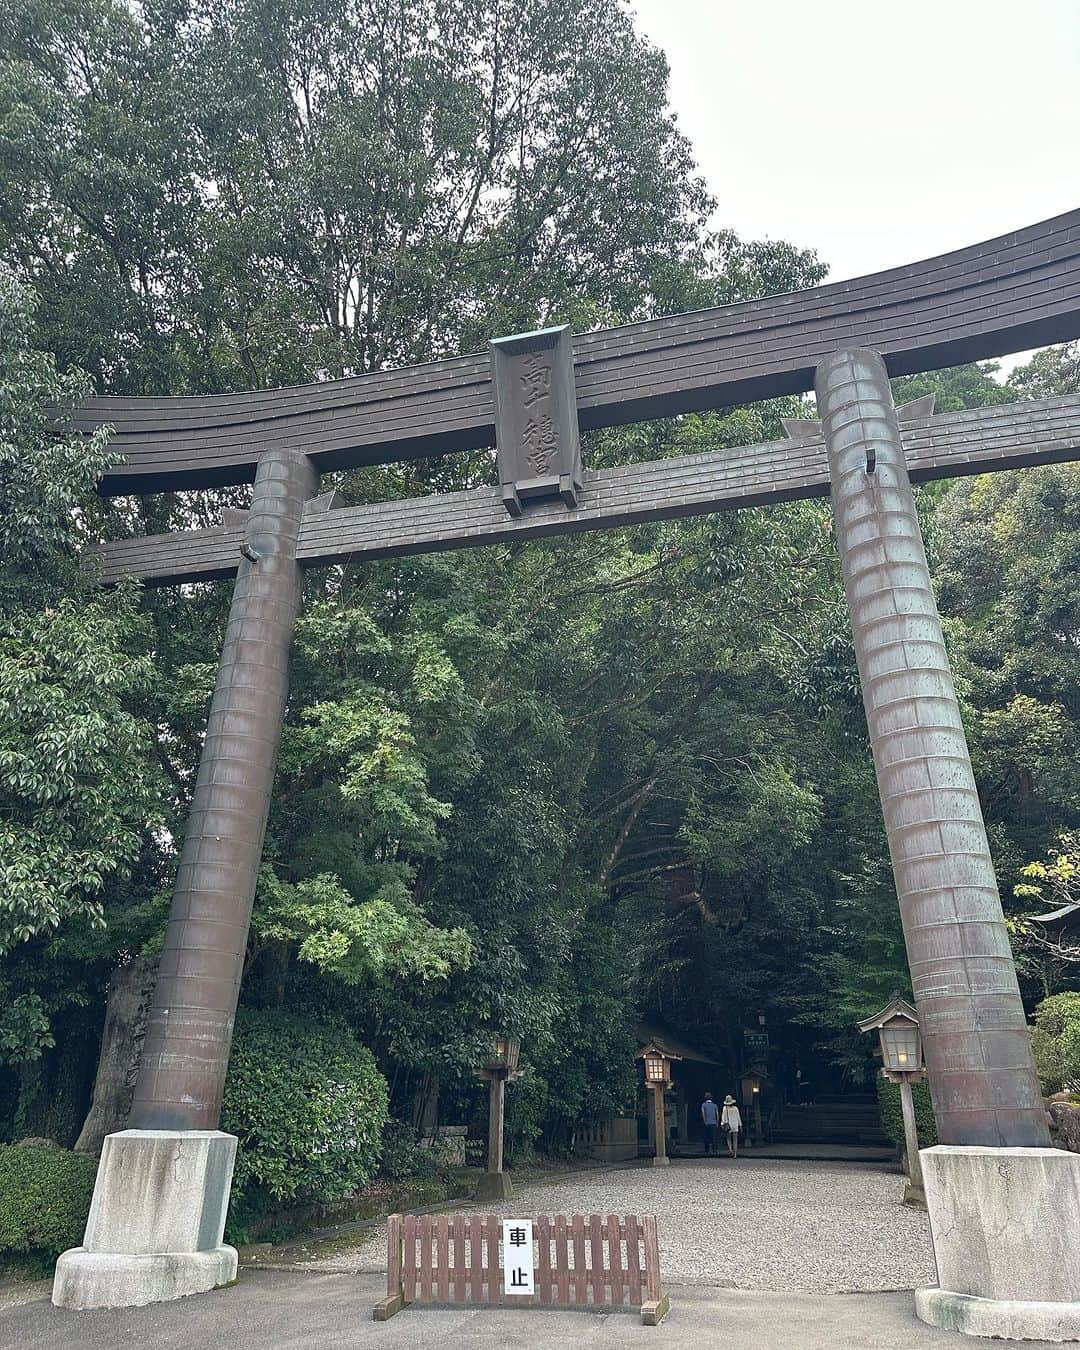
x=1003, y=1204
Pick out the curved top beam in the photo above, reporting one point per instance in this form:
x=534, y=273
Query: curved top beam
x=1009, y=294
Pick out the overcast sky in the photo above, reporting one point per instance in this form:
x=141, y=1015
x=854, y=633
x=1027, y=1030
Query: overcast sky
x=877, y=133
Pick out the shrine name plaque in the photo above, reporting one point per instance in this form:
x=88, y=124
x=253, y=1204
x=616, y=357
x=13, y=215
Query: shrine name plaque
x=536, y=427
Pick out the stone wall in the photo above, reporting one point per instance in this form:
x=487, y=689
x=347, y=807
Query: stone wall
x=611, y=1140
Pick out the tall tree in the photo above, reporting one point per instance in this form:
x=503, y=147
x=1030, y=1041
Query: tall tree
x=229, y=193
x=76, y=787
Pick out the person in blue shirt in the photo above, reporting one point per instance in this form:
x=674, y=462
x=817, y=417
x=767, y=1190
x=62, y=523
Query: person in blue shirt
x=710, y=1118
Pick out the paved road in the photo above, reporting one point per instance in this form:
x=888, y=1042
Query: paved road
x=753, y=1224
x=275, y=1311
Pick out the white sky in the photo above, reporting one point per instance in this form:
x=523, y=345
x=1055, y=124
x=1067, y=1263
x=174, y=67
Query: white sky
x=878, y=133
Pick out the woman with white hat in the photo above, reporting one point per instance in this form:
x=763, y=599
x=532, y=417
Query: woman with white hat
x=731, y=1124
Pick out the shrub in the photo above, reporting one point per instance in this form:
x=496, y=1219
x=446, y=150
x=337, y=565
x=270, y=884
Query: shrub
x=44, y=1199
x=307, y=1104
x=402, y=1156
x=526, y=1107
x=1055, y=1041
x=892, y=1115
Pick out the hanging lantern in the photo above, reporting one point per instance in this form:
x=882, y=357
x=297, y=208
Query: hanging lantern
x=897, y=1026
x=505, y=1053
x=657, y=1065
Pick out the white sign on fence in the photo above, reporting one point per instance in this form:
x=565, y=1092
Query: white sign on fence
x=517, y=1235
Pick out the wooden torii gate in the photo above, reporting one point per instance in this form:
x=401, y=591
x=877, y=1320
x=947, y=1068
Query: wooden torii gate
x=529, y=397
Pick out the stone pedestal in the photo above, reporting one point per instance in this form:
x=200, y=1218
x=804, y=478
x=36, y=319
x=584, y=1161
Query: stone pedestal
x=494, y=1186
x=1006, y=1240
x=156, y=1222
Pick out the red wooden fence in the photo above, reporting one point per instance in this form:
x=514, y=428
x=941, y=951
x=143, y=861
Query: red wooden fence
x=579, y=1262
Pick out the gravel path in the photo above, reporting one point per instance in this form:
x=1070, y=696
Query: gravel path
x=805, y=1226
x=14, y=1291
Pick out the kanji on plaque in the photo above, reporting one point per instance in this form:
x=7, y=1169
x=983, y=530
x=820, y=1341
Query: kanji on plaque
x=540, y=443
x=535, y=380
x=518, y=1267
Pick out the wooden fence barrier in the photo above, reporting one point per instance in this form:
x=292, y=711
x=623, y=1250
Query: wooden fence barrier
x=607, y=1262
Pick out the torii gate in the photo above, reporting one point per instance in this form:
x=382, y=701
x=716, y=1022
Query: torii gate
x=156, y=1223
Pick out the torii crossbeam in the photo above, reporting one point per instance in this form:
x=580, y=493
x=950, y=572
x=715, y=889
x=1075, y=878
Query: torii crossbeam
x=979, y=440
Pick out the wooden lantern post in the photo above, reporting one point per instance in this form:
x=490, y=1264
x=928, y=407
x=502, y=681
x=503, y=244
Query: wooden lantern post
x=498, y=1070
x=657, y=1063
x=897, y=1026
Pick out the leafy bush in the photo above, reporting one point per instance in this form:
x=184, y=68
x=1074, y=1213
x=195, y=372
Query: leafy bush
x=307, y=1104
x=892, y=1115
x=1055, y=1041
x=402, y=1156
x=526, y=1105
x=44, y=1199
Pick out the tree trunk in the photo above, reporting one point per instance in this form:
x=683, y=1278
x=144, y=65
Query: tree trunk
x=126, y=1011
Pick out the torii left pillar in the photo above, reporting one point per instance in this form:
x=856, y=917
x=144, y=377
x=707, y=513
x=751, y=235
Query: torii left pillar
x=157, y=1218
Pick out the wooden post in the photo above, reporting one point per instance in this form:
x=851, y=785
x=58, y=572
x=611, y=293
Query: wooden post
x=911, y=1143
x=496, y=1109
x=495, y=1184
x=395, y=1292
x=657, y=1304
x=661, y=1159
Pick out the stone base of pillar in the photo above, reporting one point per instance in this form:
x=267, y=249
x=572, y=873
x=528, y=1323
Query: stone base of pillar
x=661, y=1162
x=1009, y=1319
x=494, y=1186
x=113, y=1280
x=156, y=1222
x=1006, y=1242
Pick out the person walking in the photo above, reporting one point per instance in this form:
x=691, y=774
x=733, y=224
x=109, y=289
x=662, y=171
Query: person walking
x=710, y=1118
x=731, y=1124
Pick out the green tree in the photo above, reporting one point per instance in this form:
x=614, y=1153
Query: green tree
x=77, y=788
x=1006, y=551
x=1050, y=373
x=957, y=387
x=1053, y=959
x=1055, y=1039
x=252, y=192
